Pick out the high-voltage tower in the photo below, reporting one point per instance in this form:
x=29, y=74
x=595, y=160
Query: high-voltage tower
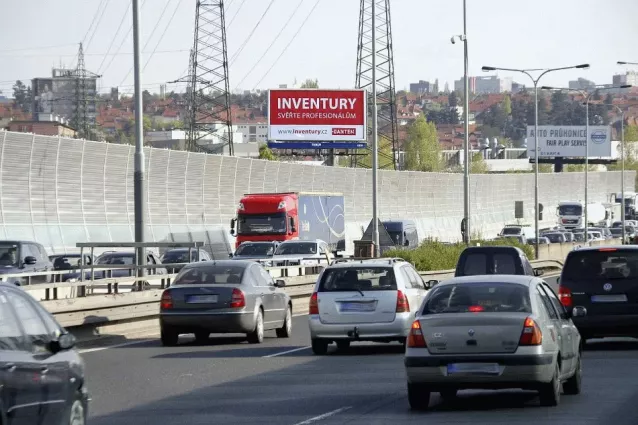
x=85, y=98
x=386, y=95
x=209, y=95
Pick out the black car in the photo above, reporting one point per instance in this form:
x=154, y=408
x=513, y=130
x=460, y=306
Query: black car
x=483, y=260
x=604, y=280
x=180, y=255
x=70, y=262
x=41, y=375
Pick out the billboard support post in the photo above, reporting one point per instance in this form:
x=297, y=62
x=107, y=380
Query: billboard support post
x=375, y=140
x=139, y=177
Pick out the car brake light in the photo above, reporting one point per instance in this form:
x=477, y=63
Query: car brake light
x=238, y=300
x=608, y=249
x=532, y=334
x=167, y=300
x=415, y=338
x=565, y=296
x=403, y=306
x=475, y=308
x=314, y=304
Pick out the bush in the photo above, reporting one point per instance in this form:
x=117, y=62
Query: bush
x=434, y=255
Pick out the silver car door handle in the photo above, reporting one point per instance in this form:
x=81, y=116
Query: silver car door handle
x=10, y=367
x=44, y=370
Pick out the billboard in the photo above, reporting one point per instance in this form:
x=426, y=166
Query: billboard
x=569, y=141
x=58, y=95
x=313, y=115
x=42, y=89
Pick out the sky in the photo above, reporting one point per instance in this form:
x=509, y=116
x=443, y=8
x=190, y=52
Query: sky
x=41, y=34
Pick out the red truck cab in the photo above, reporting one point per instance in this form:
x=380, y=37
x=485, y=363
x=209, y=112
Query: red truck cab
x=266, y=217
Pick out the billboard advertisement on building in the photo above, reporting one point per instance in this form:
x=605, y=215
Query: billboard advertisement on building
x=42, y=89
x=568, y=141
x=309, y=115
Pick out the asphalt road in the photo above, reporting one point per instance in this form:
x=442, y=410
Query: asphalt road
x=228, y=381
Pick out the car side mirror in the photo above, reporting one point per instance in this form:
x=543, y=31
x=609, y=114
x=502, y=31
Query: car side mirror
x=431, y=284
x=29, y=260
x=63, y=342
x=538, y=272
x=579, y=312
x=406, y=243
x=280, y=283
x=230, y=255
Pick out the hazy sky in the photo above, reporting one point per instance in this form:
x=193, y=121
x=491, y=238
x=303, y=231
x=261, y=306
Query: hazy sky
x=39, y=34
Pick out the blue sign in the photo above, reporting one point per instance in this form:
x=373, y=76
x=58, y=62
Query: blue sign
x=317, y=145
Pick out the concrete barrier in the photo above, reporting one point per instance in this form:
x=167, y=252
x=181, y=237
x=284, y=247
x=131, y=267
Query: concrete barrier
x=559, y=251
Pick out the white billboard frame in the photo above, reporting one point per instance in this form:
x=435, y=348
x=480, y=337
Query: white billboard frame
x=362, y=135
x=568, y=141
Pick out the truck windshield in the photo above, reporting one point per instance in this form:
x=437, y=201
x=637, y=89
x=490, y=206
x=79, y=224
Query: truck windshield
x=512, y=231
x=261, y=224
x=570, y=210
x=628, y=201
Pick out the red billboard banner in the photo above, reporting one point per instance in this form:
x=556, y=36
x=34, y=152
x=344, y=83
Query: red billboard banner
x=308, y=114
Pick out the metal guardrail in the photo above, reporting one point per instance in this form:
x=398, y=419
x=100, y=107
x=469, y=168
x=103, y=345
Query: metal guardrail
x=114, y=306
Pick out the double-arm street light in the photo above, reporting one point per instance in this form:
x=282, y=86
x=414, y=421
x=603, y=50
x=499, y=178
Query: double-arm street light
x=587, y=95
x=536, y=150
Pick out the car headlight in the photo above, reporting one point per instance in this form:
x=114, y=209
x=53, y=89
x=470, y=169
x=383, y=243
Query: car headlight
x=72, y=280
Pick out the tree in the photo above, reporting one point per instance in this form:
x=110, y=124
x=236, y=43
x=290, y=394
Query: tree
x=310, y=84
x=266, y=153
x=506, y=105
x=453, y=111
x=422, y=149
x=22, y=96
x=177, y=125
x=478, y=164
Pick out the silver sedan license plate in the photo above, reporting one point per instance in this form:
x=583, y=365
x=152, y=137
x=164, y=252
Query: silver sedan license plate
x=202, y=299
x=358, y=307
x=473, y=368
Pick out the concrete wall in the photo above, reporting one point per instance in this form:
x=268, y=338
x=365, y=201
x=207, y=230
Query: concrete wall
x=61, y=191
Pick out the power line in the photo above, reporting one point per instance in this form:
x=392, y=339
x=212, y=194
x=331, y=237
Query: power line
x=106, y=5
x=95, y=15
x=283, y=28
x=236, y=12
x=115, y=36
x=163, y=34
x=241, y=48
x=150, y=36
x=39, y=55
x=122, y=43
x=20, y=49
x=294, y=37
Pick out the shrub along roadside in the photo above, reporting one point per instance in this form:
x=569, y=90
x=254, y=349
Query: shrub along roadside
x=434, y=255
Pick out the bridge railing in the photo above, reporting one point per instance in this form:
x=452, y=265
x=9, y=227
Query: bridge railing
x=102, y=303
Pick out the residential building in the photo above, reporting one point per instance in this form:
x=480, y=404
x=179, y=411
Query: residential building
x=485, y=85
x=45, y=128
x=421, y=87
x=251, y=133
x=582, y=84
x=630, y=77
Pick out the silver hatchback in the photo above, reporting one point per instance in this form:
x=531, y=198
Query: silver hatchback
x=364, y=300
x=493, y=332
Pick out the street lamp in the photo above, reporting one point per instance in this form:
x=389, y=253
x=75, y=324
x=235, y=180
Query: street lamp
x=536, y=150
x=587, y=95
x=467, y=236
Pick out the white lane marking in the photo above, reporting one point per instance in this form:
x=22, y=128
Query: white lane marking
x=294, y=350
x=299, y=314
x=324, y=416
x=124, y=344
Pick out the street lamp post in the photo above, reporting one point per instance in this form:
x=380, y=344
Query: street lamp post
x=587, y=95
x=467, y=237
x=536, y=150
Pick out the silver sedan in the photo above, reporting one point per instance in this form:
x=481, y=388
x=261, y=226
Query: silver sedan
x=224, y=297
x=493, y=332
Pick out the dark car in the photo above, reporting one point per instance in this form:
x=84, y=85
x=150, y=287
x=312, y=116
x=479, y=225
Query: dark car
x=18, y=257
x=41, y=374
x=484, y=260
x=255, y=251
x=224, y=297
x=604, y=280
x=70, y=262
x=180, y=255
